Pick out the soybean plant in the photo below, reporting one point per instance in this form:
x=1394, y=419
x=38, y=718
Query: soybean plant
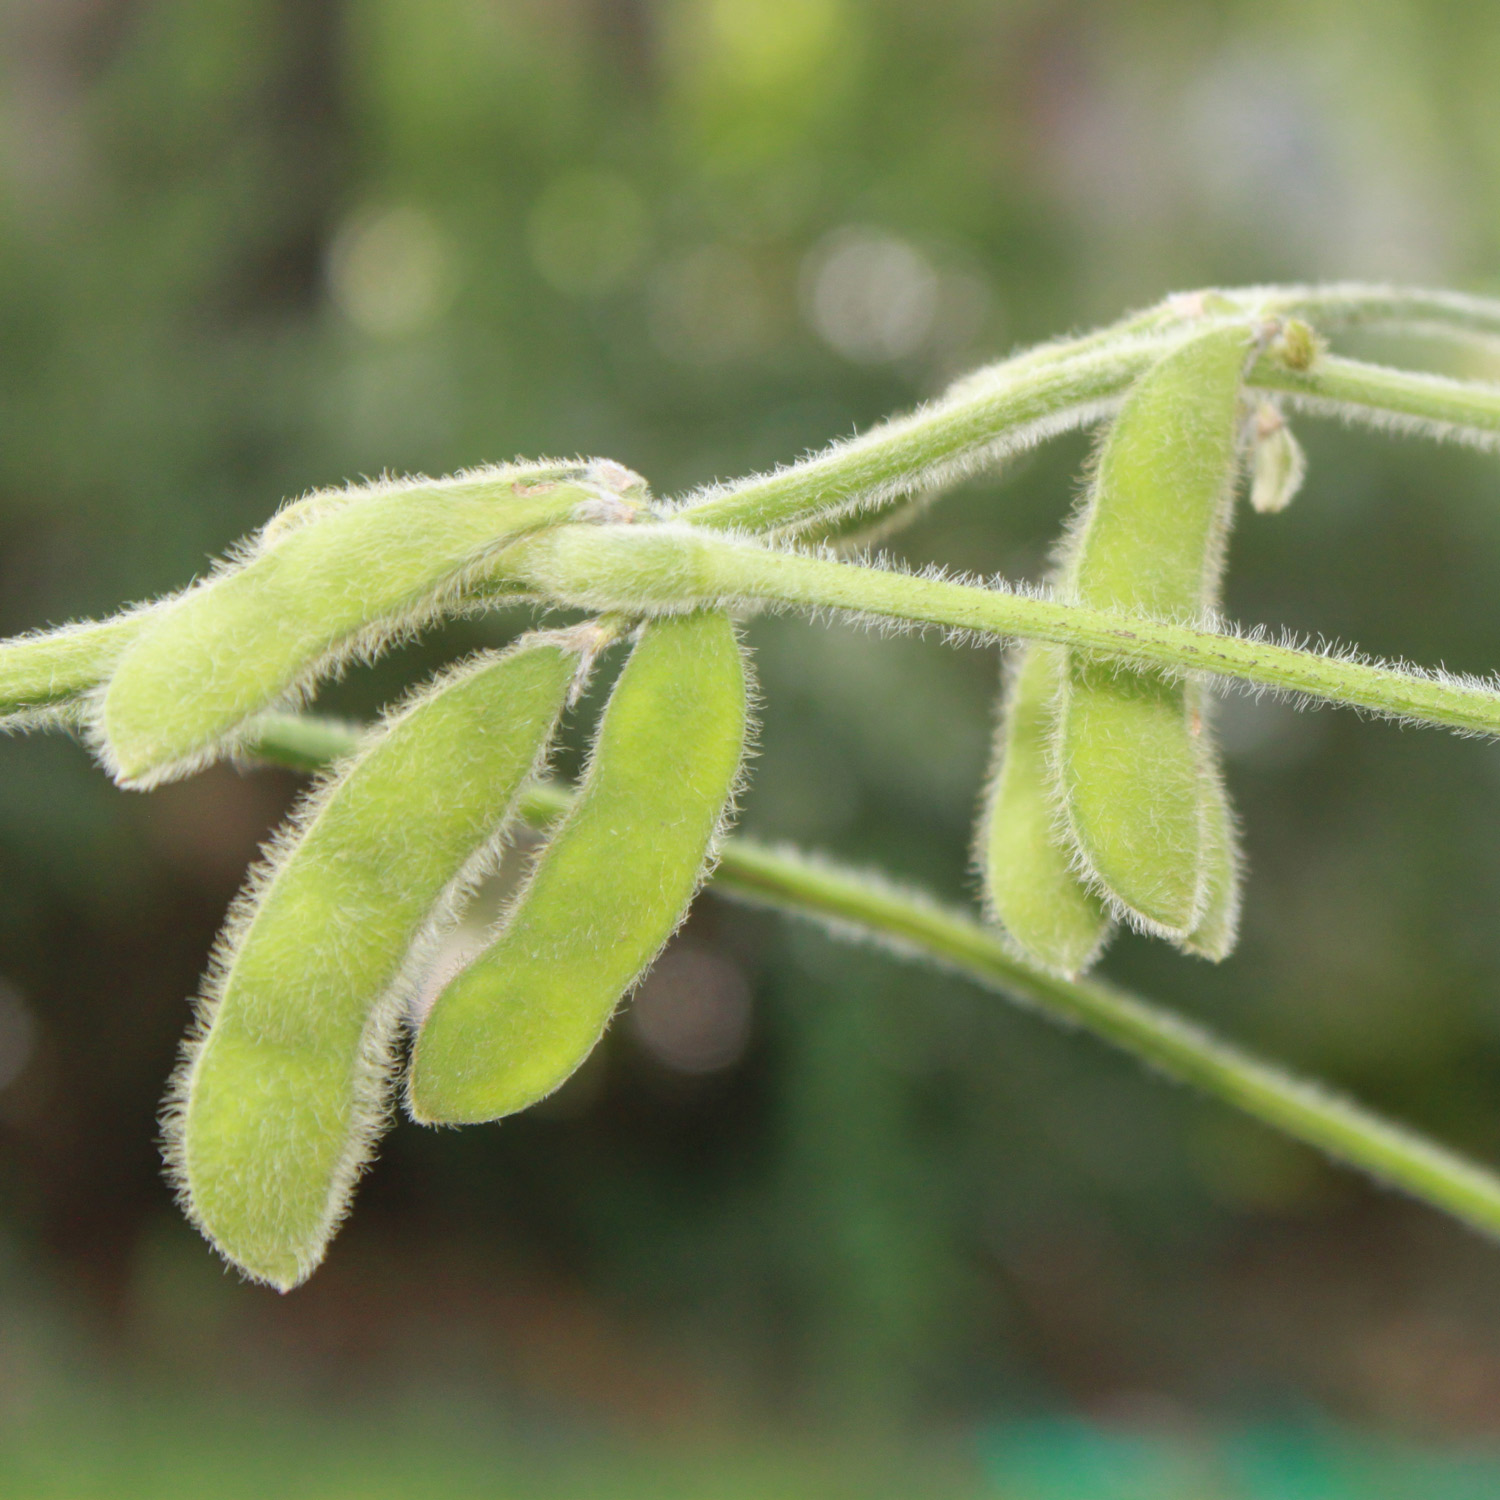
x=1106, y=801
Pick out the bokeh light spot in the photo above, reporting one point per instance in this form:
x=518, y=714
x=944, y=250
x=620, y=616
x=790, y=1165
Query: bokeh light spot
x=587, y=232
x=870, y=296
x=390, y=270
x=693, y=1012
x=771, y=42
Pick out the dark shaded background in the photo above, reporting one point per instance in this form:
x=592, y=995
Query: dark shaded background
x=252, y=246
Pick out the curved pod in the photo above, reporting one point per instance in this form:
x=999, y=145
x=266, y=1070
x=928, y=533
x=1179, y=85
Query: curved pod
x=1216, y=931
x=610, y=887
x=330, y=578
x=282, y=1092
x=1134, y=762
x=45, y=677
x=1031, y=888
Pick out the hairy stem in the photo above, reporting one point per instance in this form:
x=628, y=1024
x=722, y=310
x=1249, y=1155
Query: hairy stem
x=987, y=416
x=867, y=907
x=47, y=672
x=1353, y=304
x=301, y=742
x=1403, y=400
x=667, y=568
x=984, y=419
x=1007, y=408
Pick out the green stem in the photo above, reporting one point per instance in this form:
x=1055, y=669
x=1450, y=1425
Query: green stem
x=42, y=676
x=1353, y=304
x=867, y=907
x=1432, y=405
x=667, y=568
x=995, y=413
x=301, y=742
x=1061, y=385
x=984, y=419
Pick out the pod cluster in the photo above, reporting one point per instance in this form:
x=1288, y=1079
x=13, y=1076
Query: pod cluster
x=288, y=1076
x=1106, y=802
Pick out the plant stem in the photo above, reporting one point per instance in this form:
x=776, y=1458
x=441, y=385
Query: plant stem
x=867, y=907
x=1006, y=409
x=1353, y=304
x=1003, y=410
x=984, y=419
x=1403, y=400
x=667, y=568
x=301, y=742
x=1060, y=385
x=42, y=675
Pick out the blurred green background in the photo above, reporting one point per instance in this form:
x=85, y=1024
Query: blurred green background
x=812, y=1222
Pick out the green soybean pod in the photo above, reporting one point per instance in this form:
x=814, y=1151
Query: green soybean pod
x=330, y=580
x=1132, y=779
x=283, y=1085
x=1134, y=768
x=1217, y=930
x=1031, y=888
x=609, y=888
x=46, y=676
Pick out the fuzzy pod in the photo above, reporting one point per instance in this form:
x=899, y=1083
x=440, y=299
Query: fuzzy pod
x=1134, y=764
x=1131, y=776
x=46, y=677
x=1050, y=915
x=283, y=1087
x=1218, y=928
x=332, y=578
x=611, y=885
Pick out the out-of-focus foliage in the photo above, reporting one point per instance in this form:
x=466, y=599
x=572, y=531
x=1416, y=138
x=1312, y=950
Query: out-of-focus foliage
x=252, y=246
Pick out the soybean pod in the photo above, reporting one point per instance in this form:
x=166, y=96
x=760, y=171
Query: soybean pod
x=331, y=578
x=1031, y=889
x=45, y=677
x=609, y=888
x=1134, y=759
x=283, y=1087
x=1218, y=928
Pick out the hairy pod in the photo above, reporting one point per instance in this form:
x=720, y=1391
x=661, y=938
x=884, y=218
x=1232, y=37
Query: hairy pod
x=332, y=577
x=283, y=1087
x=46, y=677
x=609, y=888
x=1026, y=863
x=1216, y=931
x=1134, y=761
